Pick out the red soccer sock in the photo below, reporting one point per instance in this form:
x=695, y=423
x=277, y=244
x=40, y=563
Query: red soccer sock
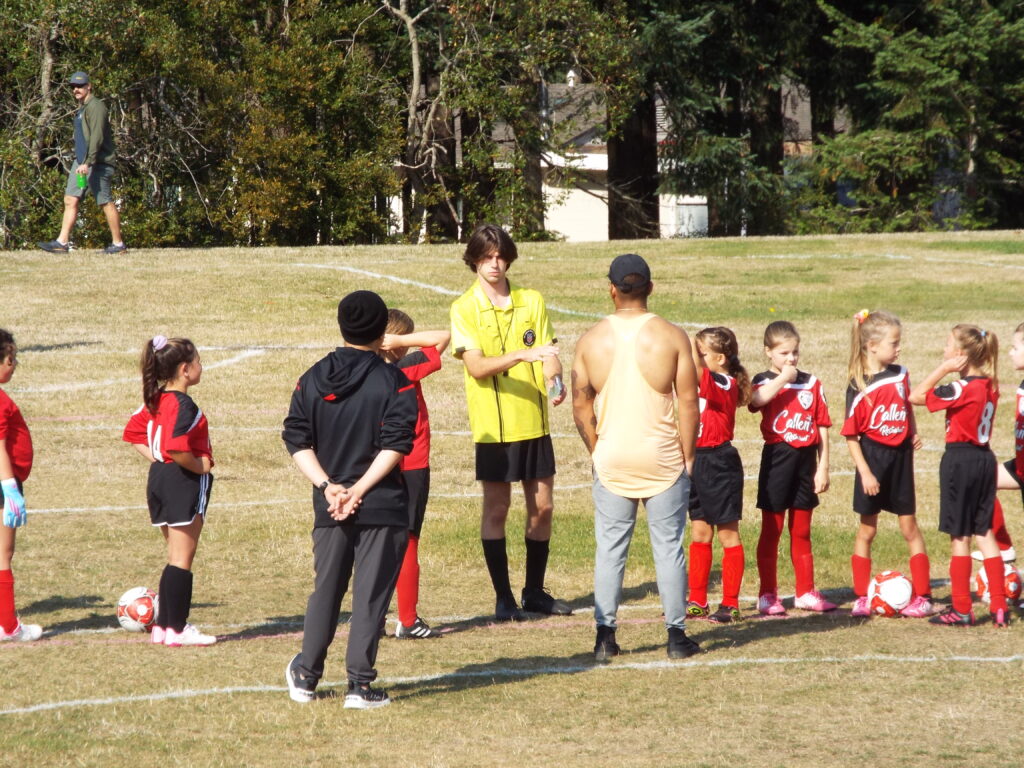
x=768, y=551
x=921, y=575
x=996, y=583
x=732, y=575
x=408, y=588
x=700, y=569
x=960, y=582
x=861, y=567
x=8, y=618
x=999, y=527
x=800, y=550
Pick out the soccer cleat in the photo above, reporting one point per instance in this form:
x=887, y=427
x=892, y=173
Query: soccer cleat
x=920, y=607
x=679, y=645
x=726, y=614
x=1009, y=555
x=769, y=604
x=695, y=610
x=55, y=246
x=506, y=609
x=114, y=248
x=418, y=630
x=188, y=636
x=299, y=689
x=860, y=607
x=157, y=635
x=951, y=617
x=1001, y=618
x=365, y=697
x=605, y=647
x=23, y=633
x=537, y=600
x=813, y=601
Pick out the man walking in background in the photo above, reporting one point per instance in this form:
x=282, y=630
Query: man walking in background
x=93, y=169
x=642, y=446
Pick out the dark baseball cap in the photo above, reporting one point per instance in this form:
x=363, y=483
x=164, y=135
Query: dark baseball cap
x=625, y=265
x=79, y=78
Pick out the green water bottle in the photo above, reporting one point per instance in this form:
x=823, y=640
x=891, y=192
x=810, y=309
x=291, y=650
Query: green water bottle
x=82, y=180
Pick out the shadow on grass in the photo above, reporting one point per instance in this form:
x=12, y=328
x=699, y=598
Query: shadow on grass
x=275, y=626
x=54, y=347
x=755, y=628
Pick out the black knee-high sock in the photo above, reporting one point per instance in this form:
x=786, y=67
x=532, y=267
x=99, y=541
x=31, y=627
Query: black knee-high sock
x=177, y=597
x=164, y=601
x=536, y=563
x=497, y=565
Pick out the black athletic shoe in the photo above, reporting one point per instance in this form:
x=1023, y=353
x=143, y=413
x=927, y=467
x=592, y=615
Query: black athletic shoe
x=540, y=601
x=605, y=647
x=300, y=689
x=360, y=697
x=418, y=630
x=505, y=609
x=679, y=645
x=725, y=614
x=54, y=246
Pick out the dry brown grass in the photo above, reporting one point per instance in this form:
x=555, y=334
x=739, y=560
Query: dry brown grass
x=809, y=690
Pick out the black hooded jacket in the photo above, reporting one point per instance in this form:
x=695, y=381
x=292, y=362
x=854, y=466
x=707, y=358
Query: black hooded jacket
x=349, y=407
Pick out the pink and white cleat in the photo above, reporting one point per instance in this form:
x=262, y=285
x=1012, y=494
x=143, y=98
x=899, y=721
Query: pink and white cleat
x=813, y=601
x=23, y=633
x=920, y=607
x=188, y=636
x=770, y=605
x=157, y=634
x=860, y=607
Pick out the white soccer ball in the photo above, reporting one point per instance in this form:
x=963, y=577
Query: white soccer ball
x=136, y=609
x=889, y=593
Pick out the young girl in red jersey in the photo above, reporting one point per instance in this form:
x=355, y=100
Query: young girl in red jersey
x=794, y=467
x=15, y=466
x=398, y=337
x=967, y=472
x=882, y=437
x=716, y=494
x=171, y=433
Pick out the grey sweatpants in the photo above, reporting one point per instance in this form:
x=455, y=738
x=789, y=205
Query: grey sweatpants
x=375, y=552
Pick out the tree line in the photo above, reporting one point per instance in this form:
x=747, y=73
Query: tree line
x=297, y=121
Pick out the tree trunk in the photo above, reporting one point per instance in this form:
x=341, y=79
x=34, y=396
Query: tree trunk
x=633, y=176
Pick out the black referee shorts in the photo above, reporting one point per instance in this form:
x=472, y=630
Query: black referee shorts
x=893, y=467
x=512, y=462
x=716, y=489
x=175, y=495
x=786, y=479
x=967, y=488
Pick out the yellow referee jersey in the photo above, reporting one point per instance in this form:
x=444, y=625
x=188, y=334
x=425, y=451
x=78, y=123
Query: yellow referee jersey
x=513, y=405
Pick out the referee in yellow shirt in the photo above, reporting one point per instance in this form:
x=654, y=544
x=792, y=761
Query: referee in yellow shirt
x=503, y=336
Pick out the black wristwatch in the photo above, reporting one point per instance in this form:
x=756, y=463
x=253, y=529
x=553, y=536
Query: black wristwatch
x=323, y=486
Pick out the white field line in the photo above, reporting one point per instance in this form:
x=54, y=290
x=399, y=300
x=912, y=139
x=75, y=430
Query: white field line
x=509, y=672
x=82, y=385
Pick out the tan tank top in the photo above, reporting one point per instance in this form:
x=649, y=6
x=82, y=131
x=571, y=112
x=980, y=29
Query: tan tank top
x=638, y=453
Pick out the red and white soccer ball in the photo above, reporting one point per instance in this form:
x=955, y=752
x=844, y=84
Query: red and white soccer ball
x=889, y=593
x=136, y=610
x=1011, y=583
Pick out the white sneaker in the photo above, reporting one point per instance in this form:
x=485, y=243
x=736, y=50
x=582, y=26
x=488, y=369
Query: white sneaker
x=188, y=636
x=157, y=635
x=1009, y=555
x=23, y=633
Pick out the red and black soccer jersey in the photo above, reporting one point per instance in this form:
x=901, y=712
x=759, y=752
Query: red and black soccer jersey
x=881, y=411
x=970, y=406
x=417, y=366
x=1018, y=432
x=794, y=415
x=718, y=397
x=178, y=425
x=14, y=431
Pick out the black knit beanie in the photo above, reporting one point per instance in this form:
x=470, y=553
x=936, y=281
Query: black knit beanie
x=362, y=317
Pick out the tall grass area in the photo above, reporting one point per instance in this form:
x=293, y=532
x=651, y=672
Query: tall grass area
x=804, y=691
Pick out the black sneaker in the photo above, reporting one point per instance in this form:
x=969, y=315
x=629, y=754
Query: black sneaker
x=725, y=614
x=365, y=697
x=299, y=688
x=418, y=630
x=54, y=246
x=115, y=248
x=679, y=645
x=506, y=609
x=605, y=647
x=537, y=600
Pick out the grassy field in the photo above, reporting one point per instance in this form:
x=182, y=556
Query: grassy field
x=804, y=691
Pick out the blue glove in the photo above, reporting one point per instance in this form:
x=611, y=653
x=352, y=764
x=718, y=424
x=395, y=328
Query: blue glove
x=14, y=504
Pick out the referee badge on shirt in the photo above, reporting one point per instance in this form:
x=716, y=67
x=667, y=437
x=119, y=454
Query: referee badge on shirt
x=529, y=338
x=806, y=399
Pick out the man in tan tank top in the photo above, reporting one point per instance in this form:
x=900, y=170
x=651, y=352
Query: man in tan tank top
x=634, y=400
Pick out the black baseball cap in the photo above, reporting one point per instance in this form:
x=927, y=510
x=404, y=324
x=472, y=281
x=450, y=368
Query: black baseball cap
x=625, y=265
x=79, y=78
